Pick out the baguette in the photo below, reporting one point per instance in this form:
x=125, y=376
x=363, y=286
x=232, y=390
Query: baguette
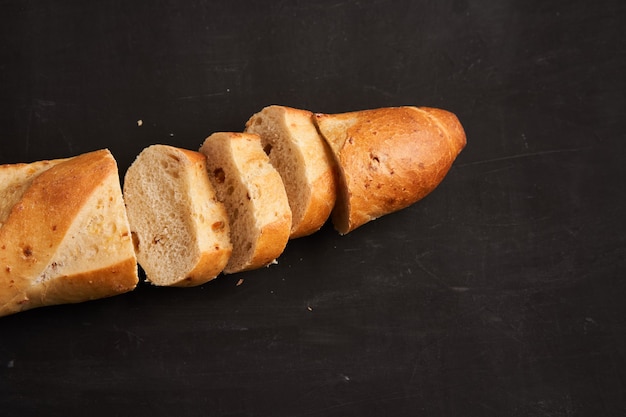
x=64, y=234
x=388, y=158
x=254, y=196
x=179, y=229
x=304, y=162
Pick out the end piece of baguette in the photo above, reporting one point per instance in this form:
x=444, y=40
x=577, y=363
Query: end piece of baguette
x=64, y=233
x=388, y=158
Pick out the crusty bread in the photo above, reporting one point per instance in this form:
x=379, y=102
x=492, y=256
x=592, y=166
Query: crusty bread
x=180, y=229
x=304, y=162
x=254, y=195
x=388, y=158
x=64, y=234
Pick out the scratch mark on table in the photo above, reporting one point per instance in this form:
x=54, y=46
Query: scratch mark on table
x=524, y=155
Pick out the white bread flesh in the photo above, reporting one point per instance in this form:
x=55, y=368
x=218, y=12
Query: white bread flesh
x=180, y=229
x=254, y=196
x=304, y=162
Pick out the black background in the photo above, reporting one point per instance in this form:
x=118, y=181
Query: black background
x=500, y=294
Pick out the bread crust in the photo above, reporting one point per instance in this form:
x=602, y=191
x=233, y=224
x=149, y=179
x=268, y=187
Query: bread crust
x=321, y=204
x=388, y=158
x=39, y=222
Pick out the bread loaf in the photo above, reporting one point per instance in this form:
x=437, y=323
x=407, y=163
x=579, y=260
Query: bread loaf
x=180, y=230
x=254, y=196
x=304, y=162
x=388, y=158
x=64, y=234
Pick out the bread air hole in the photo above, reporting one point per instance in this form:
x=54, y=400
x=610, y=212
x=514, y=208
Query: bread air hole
x=135, y=240
x=267, y=148
x=169, y=169
x=219, y=175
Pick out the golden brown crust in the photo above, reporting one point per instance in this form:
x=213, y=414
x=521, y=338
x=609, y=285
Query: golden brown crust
x=33, y=232
x=389, y=158
x=39, y=222
x=270, y=244
x=91, y=285
x=208, y=267
x=321, y=205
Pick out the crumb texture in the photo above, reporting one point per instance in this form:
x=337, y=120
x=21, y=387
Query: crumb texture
x=304, y=162
x=175, y=218
x=254, y=196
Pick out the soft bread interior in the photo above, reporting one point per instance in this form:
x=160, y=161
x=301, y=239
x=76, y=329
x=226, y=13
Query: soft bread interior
x=281, y=145
x=304, y=162
x=228, y=176
x=99, y=236
x=165, y=218
x=254, y=196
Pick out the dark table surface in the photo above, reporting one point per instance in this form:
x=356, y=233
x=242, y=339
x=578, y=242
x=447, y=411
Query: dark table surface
x=500, y=294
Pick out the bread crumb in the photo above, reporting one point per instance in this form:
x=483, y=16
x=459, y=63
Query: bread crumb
x=139, y=122
x=240, y=281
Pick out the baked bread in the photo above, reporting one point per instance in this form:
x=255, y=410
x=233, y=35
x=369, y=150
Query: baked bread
x=388, y=158
x=254, y=196
x=180, y=230
x=64, y=235
x=304, y=162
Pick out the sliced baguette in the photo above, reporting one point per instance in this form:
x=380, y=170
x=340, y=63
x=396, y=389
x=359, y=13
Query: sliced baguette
x=64, y=234
x=180, y=230
x=388, y=158
x=254, y=196
x=304, y=162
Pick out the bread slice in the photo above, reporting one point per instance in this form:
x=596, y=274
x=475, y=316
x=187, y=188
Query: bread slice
x=304, y=162
x=254, y=195
x=180, y=229
x=388, y=158
x=64, y=234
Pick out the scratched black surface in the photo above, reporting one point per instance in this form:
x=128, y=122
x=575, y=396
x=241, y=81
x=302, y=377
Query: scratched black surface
x=500, y=294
